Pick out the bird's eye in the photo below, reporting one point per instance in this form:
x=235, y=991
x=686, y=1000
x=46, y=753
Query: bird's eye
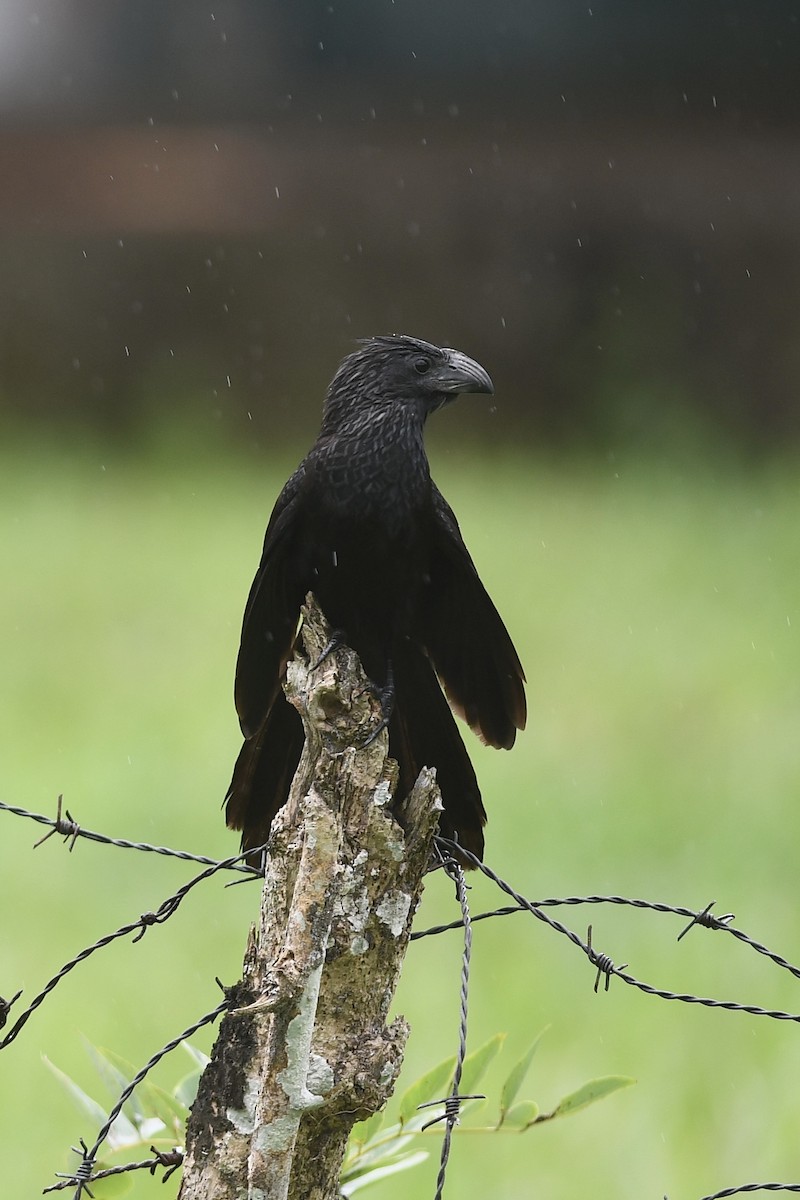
x=422, y=365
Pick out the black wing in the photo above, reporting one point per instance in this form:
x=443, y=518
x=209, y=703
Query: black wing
x=271, y=613
x=466, y=639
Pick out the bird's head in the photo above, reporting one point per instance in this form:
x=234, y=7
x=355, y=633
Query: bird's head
x=399, y=369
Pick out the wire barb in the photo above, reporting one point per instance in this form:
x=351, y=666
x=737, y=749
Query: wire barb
x=69, y=829
x=452, y=1109
x=708, y=919
x=171, y=1160
x=604, y=964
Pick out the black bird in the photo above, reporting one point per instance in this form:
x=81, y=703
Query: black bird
x=362, y=525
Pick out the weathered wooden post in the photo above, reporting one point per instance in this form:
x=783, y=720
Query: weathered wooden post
x=307, y=1052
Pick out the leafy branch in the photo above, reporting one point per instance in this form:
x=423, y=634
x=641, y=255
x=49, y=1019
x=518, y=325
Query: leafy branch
x=376, y=1150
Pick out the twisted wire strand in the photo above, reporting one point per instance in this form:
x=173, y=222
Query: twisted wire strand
x=70, y=830
x=165, y=910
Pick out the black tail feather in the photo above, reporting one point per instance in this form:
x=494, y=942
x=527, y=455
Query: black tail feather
x=263, y=774
x=423, y=733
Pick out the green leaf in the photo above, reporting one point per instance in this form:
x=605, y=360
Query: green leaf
x=380, y=1152
x=401, y=1164
x=595, y=1089
x=122, y=1132
x=516, y=1078
x=521, y=1115
x=431, y=1086
x=161, y=1106
x=185, y=1092
x=364, y=1131
x=476, y=1064
x=115, y=1074
x=202, y=1060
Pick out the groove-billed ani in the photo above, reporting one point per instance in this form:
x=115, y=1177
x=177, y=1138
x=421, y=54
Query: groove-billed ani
x=362, y=525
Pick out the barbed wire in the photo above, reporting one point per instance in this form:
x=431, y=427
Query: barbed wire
x=66, y=827
x=171, y=1160
x=83, y=1175
x=452, y=1103
x=703, y=917
x=752, y=1187
x=142, y=923
x=605, y=965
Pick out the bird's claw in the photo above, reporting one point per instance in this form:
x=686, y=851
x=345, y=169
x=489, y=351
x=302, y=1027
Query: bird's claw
x=379, y=728
x=385, y=697
x=336, y=640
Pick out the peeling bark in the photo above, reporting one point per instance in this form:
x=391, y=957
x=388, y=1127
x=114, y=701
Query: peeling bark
x=307, y=1052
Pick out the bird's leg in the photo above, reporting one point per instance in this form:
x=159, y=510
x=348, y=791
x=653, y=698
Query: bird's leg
x=385, y=697
x=338, y=638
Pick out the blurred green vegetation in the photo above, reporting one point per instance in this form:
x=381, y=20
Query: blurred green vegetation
x=656, y=610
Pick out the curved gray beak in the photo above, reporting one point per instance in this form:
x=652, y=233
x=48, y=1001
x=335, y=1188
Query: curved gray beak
x=462, y=374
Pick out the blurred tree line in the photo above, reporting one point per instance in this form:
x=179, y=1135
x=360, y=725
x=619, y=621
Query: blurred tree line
x=202, y=206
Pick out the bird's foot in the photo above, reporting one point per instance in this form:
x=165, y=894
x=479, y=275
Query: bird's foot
x=337, y=639
x=385, y=697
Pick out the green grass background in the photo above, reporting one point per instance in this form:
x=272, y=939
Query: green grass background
x=655, y=607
